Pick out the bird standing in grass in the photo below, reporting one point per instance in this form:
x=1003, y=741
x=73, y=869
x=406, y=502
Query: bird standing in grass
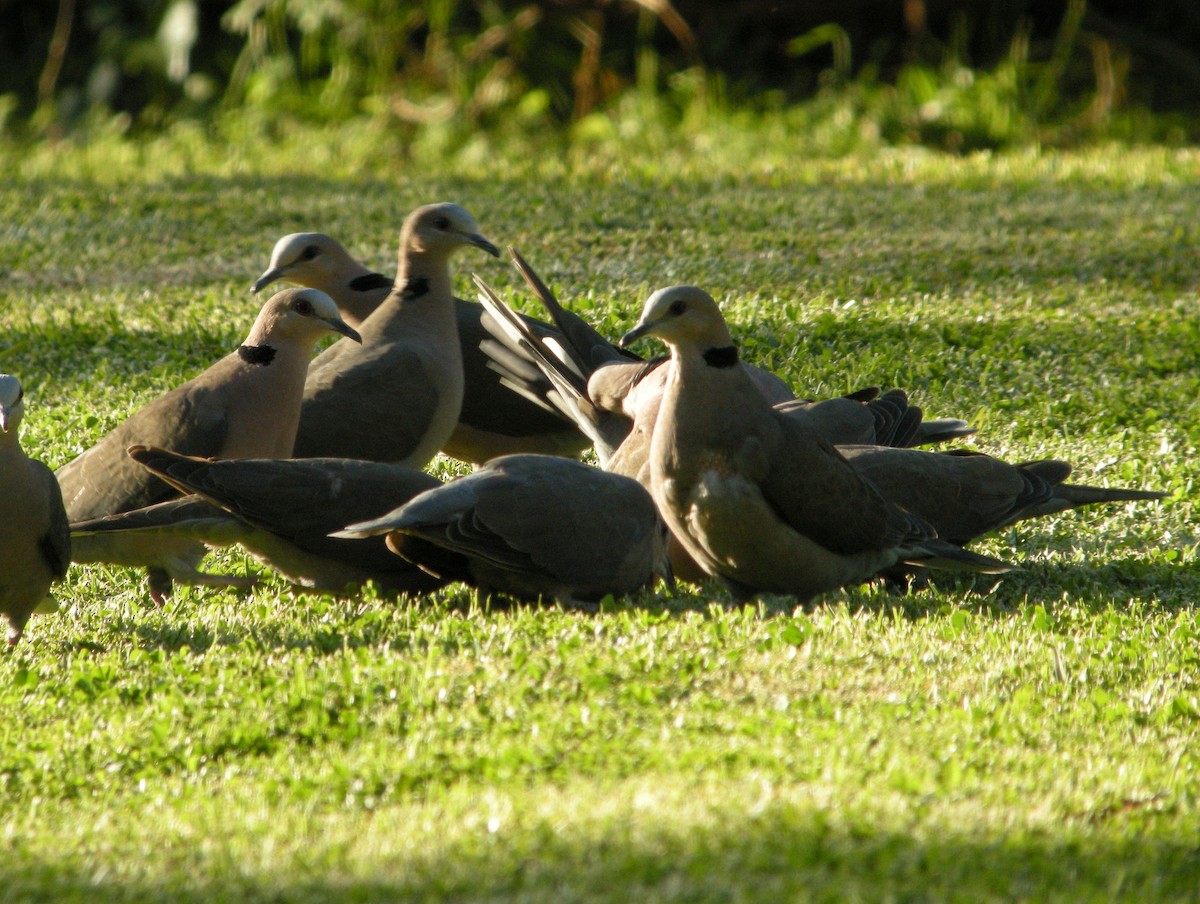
x=492, y=420
x=961, y=494
x=244, y=406
x=35, y=545
x=398, y=396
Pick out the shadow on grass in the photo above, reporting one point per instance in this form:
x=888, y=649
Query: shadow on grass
x=1111, y=584
x=785, y=853
x=323, y=641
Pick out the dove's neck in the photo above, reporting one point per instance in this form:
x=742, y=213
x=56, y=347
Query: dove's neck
x=721, y=356
x=698, y=362
x=260, y=355
x=423, y=277
x=10, y=448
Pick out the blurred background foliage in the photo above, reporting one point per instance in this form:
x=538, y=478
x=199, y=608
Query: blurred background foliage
x=953, y=75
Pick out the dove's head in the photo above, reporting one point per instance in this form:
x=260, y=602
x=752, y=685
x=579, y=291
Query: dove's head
x=308, y=259
x=683, y=317
x=11, y=404
x=442, y=228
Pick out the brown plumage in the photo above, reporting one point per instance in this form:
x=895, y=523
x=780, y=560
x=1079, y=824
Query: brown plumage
x=397, y=397
x=245, y=405
x=759, y=499
x=492, y=421
x=961, y=494
x=616, y=401
x=35, y=546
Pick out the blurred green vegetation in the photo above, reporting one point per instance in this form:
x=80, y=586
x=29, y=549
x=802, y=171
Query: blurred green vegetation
x=428, y=77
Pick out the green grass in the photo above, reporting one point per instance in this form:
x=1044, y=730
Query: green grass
x=1024, y=738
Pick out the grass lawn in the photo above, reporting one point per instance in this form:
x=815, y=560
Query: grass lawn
x=1031, y=737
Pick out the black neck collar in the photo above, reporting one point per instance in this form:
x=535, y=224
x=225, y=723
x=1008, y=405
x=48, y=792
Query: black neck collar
x=260, y=355
x=369, y=282
x=721, y=357
x=414, y=288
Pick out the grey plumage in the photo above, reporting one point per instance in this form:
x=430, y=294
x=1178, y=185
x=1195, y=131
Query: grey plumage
x=967, y=494
x=533, y=526
x=35, y=546
x=282, y=512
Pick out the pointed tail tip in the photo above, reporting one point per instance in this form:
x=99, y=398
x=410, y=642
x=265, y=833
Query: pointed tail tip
x=360, y=530
x=941, y=430
x=1081, y=494
x=951, y=557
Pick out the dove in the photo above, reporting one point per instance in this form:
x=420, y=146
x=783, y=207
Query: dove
x=245, y=405
x=534, y=526
x=35, y=545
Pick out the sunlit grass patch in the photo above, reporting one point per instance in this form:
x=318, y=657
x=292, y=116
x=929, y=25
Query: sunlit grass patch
x=1024, y=737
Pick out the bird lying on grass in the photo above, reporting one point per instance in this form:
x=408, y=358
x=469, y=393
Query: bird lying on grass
x=531, y=527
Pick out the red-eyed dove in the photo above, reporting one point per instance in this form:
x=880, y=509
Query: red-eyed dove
x=961, y=494
x=492, y=421
x=760, y=500
x=246, y=405
x=35, y=545
x=532, y=526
